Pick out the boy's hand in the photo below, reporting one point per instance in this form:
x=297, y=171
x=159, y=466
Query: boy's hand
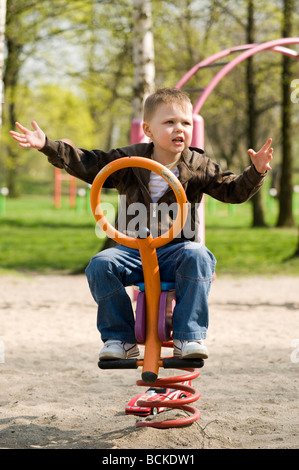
x=261, y=159
x=29, y=139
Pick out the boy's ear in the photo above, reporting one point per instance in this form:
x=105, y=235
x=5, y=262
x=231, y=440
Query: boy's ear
x=146, y=129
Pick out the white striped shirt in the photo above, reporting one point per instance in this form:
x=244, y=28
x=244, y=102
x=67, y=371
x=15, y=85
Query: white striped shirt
x=159, y=185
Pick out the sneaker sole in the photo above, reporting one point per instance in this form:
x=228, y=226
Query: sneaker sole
x=196, y=356
x=112, y=356
x=192, y=356
x=109, y=357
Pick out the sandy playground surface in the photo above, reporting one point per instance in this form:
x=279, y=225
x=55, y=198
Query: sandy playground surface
x=53, y=395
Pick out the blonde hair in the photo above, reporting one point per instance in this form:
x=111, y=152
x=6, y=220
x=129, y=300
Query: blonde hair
x=164, y=96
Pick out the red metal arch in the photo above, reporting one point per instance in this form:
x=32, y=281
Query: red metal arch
x=248, y=50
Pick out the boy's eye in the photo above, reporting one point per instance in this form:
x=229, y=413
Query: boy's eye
x=185, y=123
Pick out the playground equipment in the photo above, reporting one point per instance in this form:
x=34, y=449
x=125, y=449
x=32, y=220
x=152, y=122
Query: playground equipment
x=60, y=176
x=152, y=322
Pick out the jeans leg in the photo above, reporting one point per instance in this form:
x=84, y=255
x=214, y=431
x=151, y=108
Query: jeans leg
x=108, y=273
x=192, y=266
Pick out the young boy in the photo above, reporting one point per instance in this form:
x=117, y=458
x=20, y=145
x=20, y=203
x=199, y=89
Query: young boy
x=185, y=261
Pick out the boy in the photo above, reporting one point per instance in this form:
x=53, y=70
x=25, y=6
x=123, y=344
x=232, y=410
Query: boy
x=186, y=261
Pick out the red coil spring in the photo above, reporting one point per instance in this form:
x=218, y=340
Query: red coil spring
x=181, y=403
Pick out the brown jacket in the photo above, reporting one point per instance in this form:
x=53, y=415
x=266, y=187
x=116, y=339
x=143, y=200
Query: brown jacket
x=197, y=173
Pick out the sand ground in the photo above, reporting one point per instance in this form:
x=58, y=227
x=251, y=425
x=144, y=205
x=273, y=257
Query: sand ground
x=52, y=394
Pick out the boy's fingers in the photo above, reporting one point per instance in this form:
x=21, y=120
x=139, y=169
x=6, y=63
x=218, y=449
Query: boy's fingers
x=17, y=135
x=266, y=146
x=35, y=126
x=22, y=128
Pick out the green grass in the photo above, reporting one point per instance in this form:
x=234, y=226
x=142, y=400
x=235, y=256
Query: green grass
x=243, y=250
x=36, y=237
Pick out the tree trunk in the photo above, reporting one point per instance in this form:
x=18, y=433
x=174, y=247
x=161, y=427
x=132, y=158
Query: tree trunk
x=285, y=218
x=2, y=44
x=144, y=65
x=297, y=248
x=257, y=207
x=11, y=81
x=143, y=55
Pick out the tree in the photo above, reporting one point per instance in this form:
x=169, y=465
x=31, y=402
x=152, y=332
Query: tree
x=143, y=55
x=285, y=218
x=258, y=214
x=24, y=23
x=14, y=44
x=2, y=44
x=143, y=60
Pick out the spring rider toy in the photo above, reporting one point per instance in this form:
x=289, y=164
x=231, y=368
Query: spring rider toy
x=153, y=321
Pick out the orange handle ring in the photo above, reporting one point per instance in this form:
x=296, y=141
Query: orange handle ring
x=152, y=165
x=147, y=248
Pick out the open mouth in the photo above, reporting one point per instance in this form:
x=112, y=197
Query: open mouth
x=178, y=139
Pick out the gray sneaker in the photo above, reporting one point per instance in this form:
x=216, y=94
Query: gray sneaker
x=114, y=349
x=194, y=349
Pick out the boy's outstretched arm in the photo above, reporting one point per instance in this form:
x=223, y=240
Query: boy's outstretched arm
x=29, y=139
x=261, y=159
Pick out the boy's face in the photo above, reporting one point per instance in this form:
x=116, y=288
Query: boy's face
x=170, y=128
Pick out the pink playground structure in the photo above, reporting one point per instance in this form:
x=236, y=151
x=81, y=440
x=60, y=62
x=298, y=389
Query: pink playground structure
x=245, y=51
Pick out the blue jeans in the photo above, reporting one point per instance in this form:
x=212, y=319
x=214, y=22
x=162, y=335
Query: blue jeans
x=189, y=264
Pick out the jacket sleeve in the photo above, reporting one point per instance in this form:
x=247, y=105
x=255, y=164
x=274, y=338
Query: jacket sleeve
x=83, y=164
x=227, y=187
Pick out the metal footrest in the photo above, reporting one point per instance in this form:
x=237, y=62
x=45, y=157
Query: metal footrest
x=179, y=363
x=167, y=363
x=118, y=364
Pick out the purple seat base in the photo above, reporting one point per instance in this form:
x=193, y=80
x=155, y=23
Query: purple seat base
x=166, y=306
